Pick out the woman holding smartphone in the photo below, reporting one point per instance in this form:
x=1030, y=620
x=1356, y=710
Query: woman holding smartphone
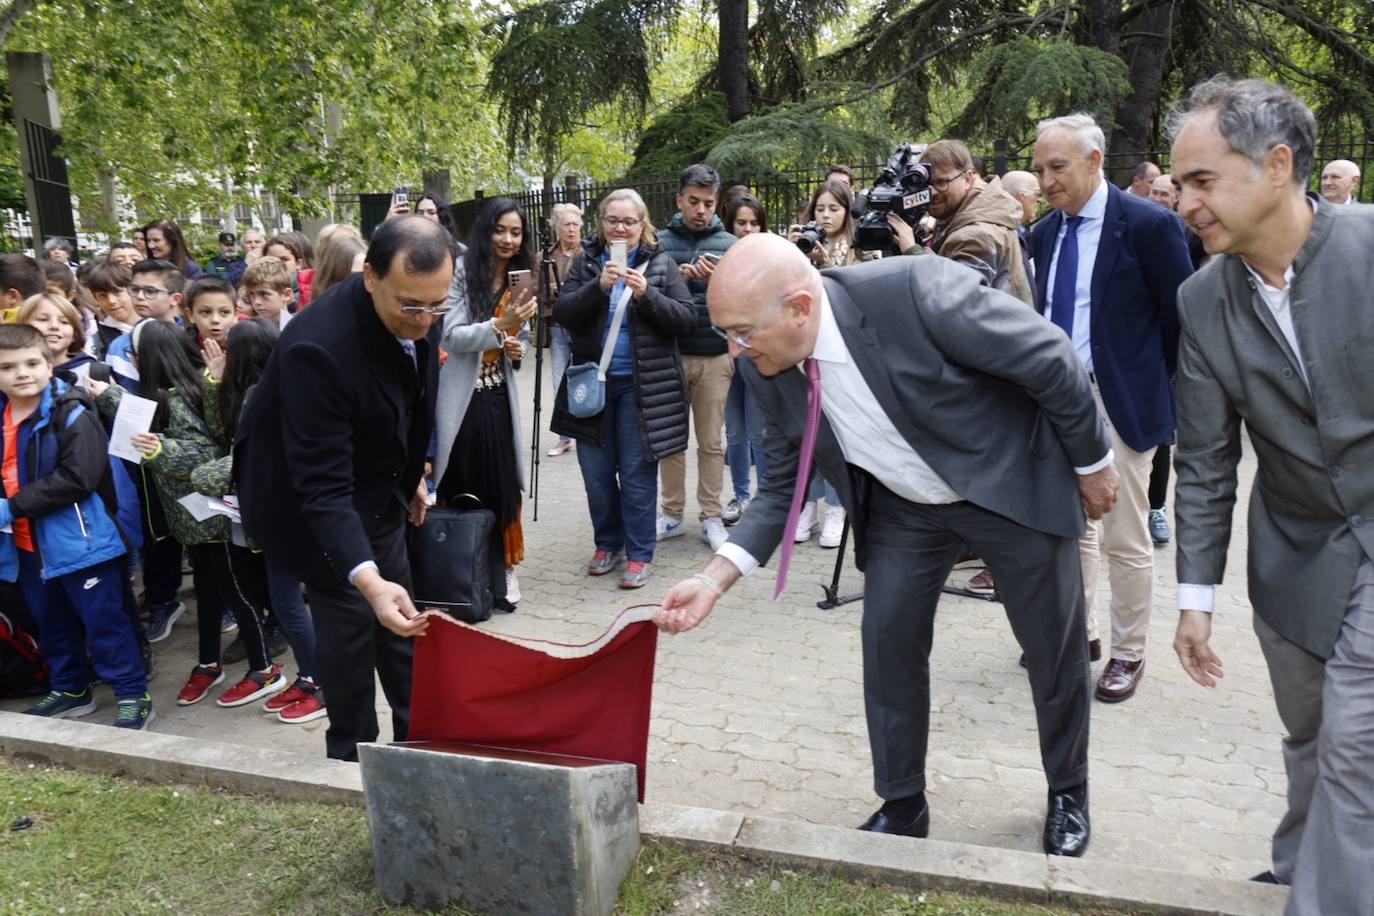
x=477, y=411
x=645, y=413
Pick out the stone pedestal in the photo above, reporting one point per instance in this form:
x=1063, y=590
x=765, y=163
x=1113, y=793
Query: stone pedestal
x=496, y=831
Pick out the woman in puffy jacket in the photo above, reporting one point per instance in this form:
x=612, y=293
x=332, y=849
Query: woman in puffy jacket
x=645, y=414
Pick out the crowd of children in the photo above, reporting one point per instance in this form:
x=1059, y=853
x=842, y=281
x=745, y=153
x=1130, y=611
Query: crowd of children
x=76, y=522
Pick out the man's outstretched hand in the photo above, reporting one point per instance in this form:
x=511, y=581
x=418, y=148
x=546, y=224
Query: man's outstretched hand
x=690, y=601
x=391, y=603
x=1191, y=643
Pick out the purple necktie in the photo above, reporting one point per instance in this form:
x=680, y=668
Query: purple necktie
x=808, y=447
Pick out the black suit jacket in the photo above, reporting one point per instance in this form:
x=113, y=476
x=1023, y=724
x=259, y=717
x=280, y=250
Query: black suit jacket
x=332, y=442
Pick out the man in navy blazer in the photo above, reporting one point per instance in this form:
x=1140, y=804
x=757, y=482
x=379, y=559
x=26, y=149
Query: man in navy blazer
x=1108, y=266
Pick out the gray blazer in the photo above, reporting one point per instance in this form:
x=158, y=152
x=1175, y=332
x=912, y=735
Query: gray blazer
x=464, y=342
x=989, y=393
x=1312, y=506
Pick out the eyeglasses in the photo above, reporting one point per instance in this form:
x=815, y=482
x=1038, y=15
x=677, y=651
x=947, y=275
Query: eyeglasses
x=942, y=184
x=435, y=310
x=613, y=222
x=146, y=292
x=742, y=340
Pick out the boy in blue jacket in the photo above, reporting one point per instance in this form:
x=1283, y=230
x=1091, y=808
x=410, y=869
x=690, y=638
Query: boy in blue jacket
x=61, y=540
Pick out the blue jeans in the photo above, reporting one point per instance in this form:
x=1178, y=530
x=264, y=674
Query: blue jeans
x=821, y=488
x=743, y=435
x=81, y=608
x=621, y=481
x=284, y=596
x=560, y=347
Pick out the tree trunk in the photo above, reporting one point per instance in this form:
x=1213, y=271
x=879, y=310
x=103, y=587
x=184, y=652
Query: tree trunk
x=733, y=66
x=1146, y=49
x=109, y=201
x=1098, y=25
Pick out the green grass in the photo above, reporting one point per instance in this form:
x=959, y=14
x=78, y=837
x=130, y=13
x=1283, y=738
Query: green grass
x=104, y=845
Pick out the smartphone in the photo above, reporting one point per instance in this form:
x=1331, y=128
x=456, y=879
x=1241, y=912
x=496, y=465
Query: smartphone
x=402, y=196
x=712, y=257
x=521, y=284
x=618, y=254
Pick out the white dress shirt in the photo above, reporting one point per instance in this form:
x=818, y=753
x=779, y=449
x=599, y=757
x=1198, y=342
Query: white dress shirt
x=1193, y=597
x=1089, y=235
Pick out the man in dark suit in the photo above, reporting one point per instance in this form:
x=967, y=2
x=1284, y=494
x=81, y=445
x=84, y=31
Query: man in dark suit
x=1278, y=335
x=1108, y=265
x=952, y=415
x=329, y=457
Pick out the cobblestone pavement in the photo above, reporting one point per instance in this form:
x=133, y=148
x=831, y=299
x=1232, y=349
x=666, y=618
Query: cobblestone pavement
x=761, y=709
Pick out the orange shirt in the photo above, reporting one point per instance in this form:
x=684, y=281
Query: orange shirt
x=9, y=472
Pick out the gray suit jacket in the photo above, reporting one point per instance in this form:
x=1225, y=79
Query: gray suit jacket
x=989, y=393
x=1312, y=506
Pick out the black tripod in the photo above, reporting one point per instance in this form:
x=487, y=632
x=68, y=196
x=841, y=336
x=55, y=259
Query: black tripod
x=541, y=340
x=834, y=599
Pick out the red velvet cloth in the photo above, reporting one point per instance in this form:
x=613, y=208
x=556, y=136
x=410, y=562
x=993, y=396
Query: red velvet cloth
x=474, y=686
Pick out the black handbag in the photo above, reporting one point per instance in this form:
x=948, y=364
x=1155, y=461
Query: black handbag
x=451, y=562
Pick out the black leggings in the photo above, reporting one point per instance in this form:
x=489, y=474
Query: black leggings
x=1159, y=477
x=225, y=576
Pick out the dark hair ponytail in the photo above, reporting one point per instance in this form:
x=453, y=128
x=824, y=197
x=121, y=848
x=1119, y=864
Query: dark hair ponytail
x=167, y=361
x=248, y=345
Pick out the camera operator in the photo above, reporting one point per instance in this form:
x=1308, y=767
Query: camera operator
x=977, y=220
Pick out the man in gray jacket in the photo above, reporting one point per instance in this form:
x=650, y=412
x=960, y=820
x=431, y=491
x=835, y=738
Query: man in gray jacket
x=1277, y=331
x=945, y=413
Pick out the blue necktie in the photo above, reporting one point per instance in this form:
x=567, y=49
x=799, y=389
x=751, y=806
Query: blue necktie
x=1063, y=298
x=409, y=347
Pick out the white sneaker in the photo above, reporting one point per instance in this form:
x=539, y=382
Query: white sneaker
x=713, y=532
x=833, y=527
x=806, y=523
x=512, y=586
x=669, y=527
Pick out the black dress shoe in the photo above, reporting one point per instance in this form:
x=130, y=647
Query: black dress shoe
x=1066, y=825
x=1267, y=877
x=883, y=821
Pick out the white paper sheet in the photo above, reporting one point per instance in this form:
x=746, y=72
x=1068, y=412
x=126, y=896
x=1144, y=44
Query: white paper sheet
x=204, y=507
x=198, y=504
x=135, y=415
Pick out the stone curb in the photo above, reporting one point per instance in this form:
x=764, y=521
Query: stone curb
x=928, y=863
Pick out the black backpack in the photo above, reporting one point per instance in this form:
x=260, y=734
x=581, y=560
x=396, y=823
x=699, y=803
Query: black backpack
x=451, y=563
x=23, y=672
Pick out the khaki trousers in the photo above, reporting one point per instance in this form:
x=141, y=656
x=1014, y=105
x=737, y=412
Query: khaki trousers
x=708, y=385
x=1125, y=533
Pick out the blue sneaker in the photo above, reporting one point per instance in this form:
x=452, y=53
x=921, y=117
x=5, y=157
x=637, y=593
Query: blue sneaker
x=133, y=712
x=62, y=705
x=161, y=618
x=227, y=623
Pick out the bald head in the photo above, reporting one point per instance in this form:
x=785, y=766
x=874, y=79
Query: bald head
x=1163, y=192
x=1025, y=187
x=765, y=291
x=1339, y=180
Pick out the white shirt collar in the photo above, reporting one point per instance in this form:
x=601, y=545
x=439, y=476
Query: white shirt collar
x=830, y=346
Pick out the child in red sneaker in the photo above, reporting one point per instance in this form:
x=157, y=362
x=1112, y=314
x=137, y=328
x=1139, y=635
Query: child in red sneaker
x=230, y=376
x=224, y=573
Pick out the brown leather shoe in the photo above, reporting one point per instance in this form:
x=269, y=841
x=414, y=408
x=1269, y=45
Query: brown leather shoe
x=1119, y=680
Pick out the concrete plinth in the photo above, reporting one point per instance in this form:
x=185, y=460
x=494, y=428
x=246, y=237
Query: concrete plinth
x=498, y=831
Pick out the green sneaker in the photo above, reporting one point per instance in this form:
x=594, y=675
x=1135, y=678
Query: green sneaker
x=133, y=712
x=62, y=705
